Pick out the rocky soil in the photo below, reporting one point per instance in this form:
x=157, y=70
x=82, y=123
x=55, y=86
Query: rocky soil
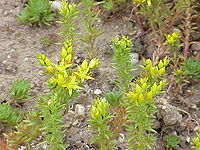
x=19, y=45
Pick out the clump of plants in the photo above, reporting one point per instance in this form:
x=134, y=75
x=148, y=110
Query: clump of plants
x=37, y=12
x=20, y=90
x=9, y=117
x=173, y=141
x=32, y=124
x=122, y=58
x=133, y=107
x=65, y=79
x=99, y=122
x=69, y=13
x=191, y=68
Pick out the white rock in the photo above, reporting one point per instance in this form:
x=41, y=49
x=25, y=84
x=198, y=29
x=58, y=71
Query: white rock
x=97, y=91
x=104, y=99
x=80, y=110
x=188, y=139
x=121, y=137
x=55, y=5
x=134, y=58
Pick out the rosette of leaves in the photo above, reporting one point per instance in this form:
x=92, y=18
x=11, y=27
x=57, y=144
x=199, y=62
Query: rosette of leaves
x=32, y=125
x=19, y=90
x=37, y=12
x=112, y=5
x=173, y=141
x=9, y=117
x=191, y=68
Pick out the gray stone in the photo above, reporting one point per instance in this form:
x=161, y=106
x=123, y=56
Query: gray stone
x=195, y=47
x=97, y=91
x=169, y=114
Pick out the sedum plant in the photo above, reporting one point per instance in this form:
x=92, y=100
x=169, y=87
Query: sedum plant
x=140, y=106
x=62, y=75
x=92, y=31
x=32, y=124
x=122, y=59
x=65, y=79
x=50, y=107
x=37, y=12
x=19, y=90
x=191, y=68
x=113, y=5
x=69, y=14
x=172, y=141
x=9, y=117
x=99, y=122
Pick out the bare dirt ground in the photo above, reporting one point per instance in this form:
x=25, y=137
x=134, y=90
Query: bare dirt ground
x=19, y=45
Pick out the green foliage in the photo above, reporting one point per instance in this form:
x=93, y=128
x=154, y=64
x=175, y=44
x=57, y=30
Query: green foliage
x=109, y=5
x=50, y=111
x=114, y=98
x=187, y=71
x=32, y=125
x=19, y=90
x=113, y=5
x=65, y=79
x=62, y=75
x=172, y=141
x=191, y=68
x=154, y=72
x=9, y=117
x=45, y=41
x=143, y=1
x=99, y=123
x=196, y=141
x=68, y=14
x=91, y=29
x=122, y=59
x=140, y=106
x=37, y=12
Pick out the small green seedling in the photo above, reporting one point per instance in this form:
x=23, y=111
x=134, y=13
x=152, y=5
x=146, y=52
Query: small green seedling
x=37, y=12
x=114, y=98
x=172, y=141
x=191, y=68
x=45, y=41
x=19, y=90
x=9, y=117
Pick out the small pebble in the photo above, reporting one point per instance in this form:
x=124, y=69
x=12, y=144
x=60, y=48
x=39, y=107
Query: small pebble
x=80, y=110
x=121, y=137
x=195, y=47
x=55, y=5
x=97, y=91
x=134, y=58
